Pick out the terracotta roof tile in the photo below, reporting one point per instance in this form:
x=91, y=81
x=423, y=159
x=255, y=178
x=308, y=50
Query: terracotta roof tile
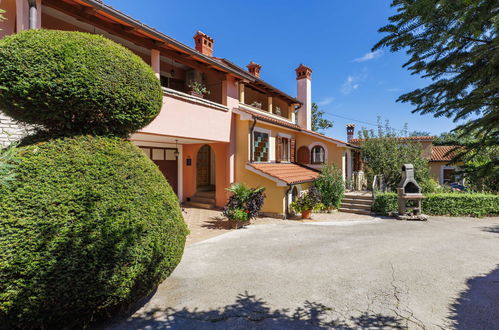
x=442, y=153
x=404, y=138
x=288, y=172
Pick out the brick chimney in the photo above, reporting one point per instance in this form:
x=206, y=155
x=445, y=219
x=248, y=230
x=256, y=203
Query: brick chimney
x=204, y=43
x=350, y=131
x=304, y=91
x=254, y=69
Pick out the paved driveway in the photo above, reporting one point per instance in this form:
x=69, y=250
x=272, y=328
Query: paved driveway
x=442, y=273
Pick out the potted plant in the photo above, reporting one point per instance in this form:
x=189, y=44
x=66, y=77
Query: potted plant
x=244, y=203
x=277, y=110
x=308, y=201
x=256, y=104
x=198, y=89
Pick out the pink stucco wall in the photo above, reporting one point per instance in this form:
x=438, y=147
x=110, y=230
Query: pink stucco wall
x=181, y=118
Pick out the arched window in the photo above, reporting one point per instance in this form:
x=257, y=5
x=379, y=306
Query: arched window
x=318, y=155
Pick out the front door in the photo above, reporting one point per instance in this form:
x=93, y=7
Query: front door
x=203, y=166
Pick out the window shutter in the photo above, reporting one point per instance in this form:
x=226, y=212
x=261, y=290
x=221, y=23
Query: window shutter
x=304, y=155
x=278, y=151
x=292, y=150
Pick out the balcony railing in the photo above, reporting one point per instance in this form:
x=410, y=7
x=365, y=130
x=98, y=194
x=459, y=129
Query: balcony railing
x=193, y=99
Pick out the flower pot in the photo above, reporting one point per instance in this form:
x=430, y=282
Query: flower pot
x=193, y=93
x=306, y=214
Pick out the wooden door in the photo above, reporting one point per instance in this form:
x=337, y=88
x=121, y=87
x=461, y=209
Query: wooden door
x=203, y=166
x=169, y=169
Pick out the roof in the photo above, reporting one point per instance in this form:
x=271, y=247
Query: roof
x=275, y=121
x=288, y=173
x=442, y=153
x=404, y=138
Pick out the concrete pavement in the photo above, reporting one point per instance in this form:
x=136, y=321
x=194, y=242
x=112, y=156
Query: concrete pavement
x=369, y=273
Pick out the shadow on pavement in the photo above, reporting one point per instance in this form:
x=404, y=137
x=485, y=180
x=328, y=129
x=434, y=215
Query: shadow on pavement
x=478, y=306
x=249, y=312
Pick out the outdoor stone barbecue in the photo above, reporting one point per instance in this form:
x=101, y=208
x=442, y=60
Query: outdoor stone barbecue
x=409, y=190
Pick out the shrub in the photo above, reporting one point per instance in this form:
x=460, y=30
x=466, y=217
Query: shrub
x=453, y=204
x=244, y=203
x=7, y=165
x=330, y=186
x=76, y=83
x=89, y=226
x=308, y=200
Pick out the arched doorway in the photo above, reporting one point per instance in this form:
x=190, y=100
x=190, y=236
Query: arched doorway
x=205, y=169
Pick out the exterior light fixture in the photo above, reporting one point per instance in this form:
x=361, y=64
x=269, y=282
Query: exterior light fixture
x=176, y=153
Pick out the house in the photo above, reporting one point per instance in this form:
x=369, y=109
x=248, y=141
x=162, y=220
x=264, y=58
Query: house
x=243, y=130
x=439, y=157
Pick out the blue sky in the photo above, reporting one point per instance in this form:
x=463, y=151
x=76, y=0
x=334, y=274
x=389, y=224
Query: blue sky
x=333, y=37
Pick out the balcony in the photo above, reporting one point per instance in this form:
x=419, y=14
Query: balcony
x=253, y=99
x=187, y=116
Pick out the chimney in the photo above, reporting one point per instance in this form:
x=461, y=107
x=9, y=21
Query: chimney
x=204, y=43
x=254, y=69
x=350, y=131
x=304, y=91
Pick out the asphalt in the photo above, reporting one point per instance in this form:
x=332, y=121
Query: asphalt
x=440, y=274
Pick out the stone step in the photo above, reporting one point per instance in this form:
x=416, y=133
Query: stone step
x=200, y=205
x=205, y=194
x=356, y=211
x=356, y=206
x=200, y=199
x=364, y=198
x=357, y=201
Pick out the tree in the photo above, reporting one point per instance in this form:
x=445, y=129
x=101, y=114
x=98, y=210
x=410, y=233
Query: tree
x=384, y=153
x=419, y=133
x=319, y=123
x=455, y=44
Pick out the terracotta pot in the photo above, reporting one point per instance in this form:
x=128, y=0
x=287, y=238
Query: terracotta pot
x=193, y=93
x=306, y=214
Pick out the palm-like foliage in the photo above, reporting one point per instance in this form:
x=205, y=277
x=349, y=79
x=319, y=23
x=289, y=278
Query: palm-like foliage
x=455, y=44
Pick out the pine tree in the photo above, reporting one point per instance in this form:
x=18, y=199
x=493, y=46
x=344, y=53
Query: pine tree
x=455, y=44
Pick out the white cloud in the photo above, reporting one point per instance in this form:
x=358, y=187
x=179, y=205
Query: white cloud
x=325, y=101
x=352, y=83
x=369, y=56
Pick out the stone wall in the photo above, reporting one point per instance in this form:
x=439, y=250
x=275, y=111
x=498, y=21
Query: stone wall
x=10, y=130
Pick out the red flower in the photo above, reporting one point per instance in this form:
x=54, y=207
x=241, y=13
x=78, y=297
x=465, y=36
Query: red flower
x=246, y=211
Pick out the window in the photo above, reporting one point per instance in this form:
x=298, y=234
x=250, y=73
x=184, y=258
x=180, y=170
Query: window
x=285, y=150
x=260, y=147
x=318, y=155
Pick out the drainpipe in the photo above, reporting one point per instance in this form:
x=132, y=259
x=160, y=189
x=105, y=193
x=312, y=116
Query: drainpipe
x=286, y=214
x=251, y=139
x=33, y=14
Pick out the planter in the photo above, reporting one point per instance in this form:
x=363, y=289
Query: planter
x=306, y=214
x=193, y=93
x=239, y=224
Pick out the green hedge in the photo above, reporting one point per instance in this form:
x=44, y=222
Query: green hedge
x=89, y=226
x=453, y=204
x=76, y=83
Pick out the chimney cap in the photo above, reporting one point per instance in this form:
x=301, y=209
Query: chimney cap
x=254, y=68
x=204, y=35
x=203, y=43
x=350, y=125
x=303, y=71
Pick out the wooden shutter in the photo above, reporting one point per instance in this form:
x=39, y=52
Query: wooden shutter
x=303, y=155
x=278, y=149
x=292, y=150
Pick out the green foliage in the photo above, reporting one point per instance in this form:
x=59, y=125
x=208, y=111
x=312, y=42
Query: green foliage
x=451, y=204
x=198, y=88
x=384, y=153
x=308, y=200
x=7, y=165
x=454, y=44
x=330, y=186
x=244, y=203
x=319, y=123
x=76, y=83
x=419, y=133
x=89, y=226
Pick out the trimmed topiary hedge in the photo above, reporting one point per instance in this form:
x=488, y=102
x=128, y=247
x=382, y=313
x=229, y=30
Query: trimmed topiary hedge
x=76, y=83
x=89, y=226
x=453, y=204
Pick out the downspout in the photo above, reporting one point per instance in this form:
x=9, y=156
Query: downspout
x=33, y=14
x=251, y=139
x=286, y=214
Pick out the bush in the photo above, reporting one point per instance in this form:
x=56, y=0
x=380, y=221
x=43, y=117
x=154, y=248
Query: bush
x=453, y=204
x=76, y=83
x=89, y=226
x=308, y=200
x=330, y=186
x=244, y=203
